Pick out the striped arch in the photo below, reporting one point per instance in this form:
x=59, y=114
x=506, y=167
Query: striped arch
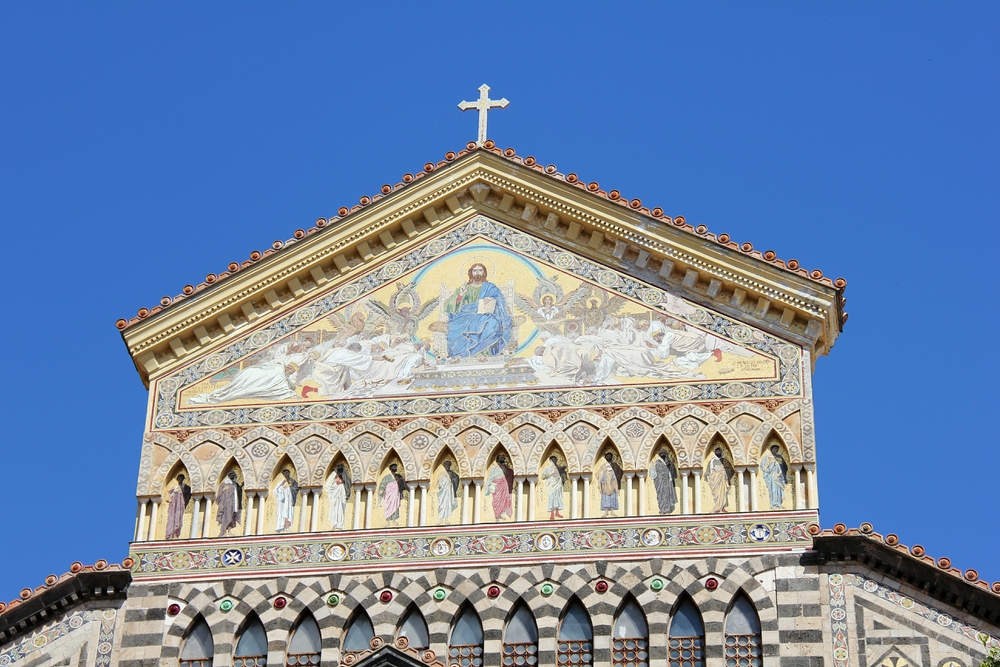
x=479, y=421
x=434, y=451
x=335, y=444
x=190, y=463
x=648, y=447
x=221, y=463
x=268, y=471
x=486, y=452
x=808, y=436
x=377, y=459
x=727, y=432
x=770, y=423
x=605, y=429
x=620, y=444
x=422, y=423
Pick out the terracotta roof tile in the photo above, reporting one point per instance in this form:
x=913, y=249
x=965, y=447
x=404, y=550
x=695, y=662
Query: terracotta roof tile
x=53, y=580
x=593, y=187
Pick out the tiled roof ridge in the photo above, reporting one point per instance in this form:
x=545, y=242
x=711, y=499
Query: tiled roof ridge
x=792, y=265
x=915, y=552
x=52, y=580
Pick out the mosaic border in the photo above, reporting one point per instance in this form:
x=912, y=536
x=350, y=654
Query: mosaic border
x=788, y=385
x=72, y=622
x=446, y=546
x=837, y=584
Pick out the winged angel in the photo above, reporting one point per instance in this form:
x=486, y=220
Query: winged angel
x=549, y=306
x=403, y=314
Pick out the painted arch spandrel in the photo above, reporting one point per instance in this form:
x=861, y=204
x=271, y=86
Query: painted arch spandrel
x=479, y=311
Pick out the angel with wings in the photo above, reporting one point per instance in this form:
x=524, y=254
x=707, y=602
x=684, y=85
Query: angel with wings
x=403, y=314
x=596, y=308
x=549, y=306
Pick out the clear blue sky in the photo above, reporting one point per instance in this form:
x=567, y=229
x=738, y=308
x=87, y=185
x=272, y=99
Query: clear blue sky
x=144, y=145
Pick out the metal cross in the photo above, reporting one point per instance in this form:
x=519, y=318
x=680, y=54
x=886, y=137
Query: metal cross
x=484, y=104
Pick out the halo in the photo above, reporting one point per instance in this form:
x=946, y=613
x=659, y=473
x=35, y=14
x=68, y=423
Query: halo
x=491, y=267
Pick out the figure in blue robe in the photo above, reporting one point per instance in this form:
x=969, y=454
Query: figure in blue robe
x=478, y=321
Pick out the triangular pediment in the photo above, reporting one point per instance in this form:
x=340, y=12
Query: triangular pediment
x=478, y=316
x=602, y=228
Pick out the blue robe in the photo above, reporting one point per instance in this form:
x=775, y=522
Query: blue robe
x=471, y=333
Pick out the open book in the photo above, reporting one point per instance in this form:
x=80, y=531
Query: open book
x=487, y=305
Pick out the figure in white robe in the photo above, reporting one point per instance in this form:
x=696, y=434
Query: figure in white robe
x=338, y=489
x=337, y=368
x=719, y=475
x=285, y=495
x=447, y=492
x=555, y=477
x=396, y=363
x=266, y=380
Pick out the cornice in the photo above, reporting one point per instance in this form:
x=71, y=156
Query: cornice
x=654, y=248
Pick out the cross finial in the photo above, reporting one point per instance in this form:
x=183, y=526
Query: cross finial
x=484, y=104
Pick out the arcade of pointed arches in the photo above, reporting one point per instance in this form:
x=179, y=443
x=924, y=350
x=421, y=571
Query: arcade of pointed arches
x=745, y=458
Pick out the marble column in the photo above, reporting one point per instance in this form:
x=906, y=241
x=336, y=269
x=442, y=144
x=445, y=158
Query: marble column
x=248, y=522
x=207, y=522
x=697, y=492
x=314, y=515
x=812, y=488
x=411, y=504
x=572, y=496
x=357, y=506
x=628, y=493
x=754, y=503
x=477, y=511
x=520, y=499
x=586, y=496
x=799, y=500
x=261, y=498
x=466, y=505
x=685, y=493
x=531, y=498
x=152, y=519
x=195, y=517
x=642, y=493
x=140, y=531
x=369, y=502
x=423, y=503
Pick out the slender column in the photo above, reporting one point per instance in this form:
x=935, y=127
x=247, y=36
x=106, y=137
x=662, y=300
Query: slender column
x=586, y=496
x=369, y=501
x=629, y=494
x=357, y=506
x=531, y=498
x=248, y=523
x=466, y=505
x=304, y=512
x=207, y=523
x=477, y=516
x=813, y=488
x=572, y=497
x=744, y=500
x=642, y=494
x=411, y=506
x=314, y=517
x=754, y=503
x=195, y=517
x=261, y=499
x=152, y=519
x=799, y=504
x=140, y=531
x=685, y=494
x=423, y=503
x=697, y=492
x=520, y=499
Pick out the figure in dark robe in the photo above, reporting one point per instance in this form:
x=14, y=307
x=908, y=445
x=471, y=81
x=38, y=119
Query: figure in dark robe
x=663, y=473
x=177, y=499
x=229, y=499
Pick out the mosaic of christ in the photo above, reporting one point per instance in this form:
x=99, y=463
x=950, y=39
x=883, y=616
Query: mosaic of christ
x=481, y=317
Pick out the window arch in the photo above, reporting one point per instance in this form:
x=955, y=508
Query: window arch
x=360, y=632
x=743, y=645
x=199, y=647
x=414, y=628
x=520, y=638
x=251, y=648
x=630, y=637
x=305, y=645
x=686, y=645
x=466, y=646
x=576, y=636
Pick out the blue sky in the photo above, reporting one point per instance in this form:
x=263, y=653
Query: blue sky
x=145, y=145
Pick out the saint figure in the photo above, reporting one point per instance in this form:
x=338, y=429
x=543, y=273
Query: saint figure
x=608, y=476
x=774, y=469
x=177, y=498
x=390, y=490
x=663, y=473
x=229, y=499
x=338, y=490
x=555, y=476
x=478, y=321
x=499, y=484
x=719, y=474
x=285, y=495
x=447, y=492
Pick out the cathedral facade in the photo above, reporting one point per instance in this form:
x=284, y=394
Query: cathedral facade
x=495, y=415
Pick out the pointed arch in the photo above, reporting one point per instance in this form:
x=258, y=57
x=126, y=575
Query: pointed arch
x=222, y=465
x=251, y=645
x=630, y=635
x=358, y=632
x=391, y=447
x=165, y=469
x=414, y=628
x=198, y=648
x=465, y=645
x=686, y=640
x=576, y=635
x=520, y=636
x=438, y=446
x=305, y=643
x=487, y=453
x=336, y=446
x=743, y=642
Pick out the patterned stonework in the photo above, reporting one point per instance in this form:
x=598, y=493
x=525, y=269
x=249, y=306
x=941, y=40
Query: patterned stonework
x=421, y=547
x=38, y=644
